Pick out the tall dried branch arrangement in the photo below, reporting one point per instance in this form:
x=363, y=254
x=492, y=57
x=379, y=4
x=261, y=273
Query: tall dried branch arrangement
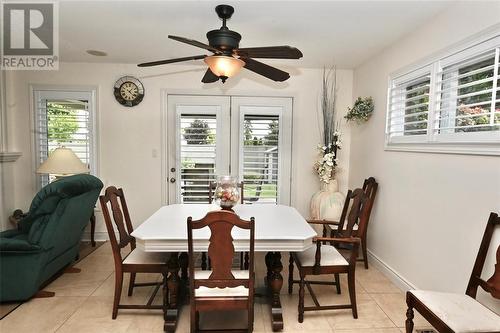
x=328, y=97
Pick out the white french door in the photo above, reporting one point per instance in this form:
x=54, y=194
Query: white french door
x=247, y=137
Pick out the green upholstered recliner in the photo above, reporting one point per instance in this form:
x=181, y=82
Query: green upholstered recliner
x=48, y=238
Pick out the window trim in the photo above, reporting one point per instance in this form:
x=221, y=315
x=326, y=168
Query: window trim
x=94, y=116
x=475, y=143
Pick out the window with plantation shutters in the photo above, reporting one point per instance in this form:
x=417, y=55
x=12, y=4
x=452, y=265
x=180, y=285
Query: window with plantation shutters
x=452, y=104
x=409, y=105
x=469, y=100
x=64, y=119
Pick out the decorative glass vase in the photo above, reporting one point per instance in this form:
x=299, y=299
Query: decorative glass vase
x=327, y=203
x=226, y=193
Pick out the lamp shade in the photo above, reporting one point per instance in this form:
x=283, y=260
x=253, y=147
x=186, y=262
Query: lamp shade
x=224, y=66
x=62, y=161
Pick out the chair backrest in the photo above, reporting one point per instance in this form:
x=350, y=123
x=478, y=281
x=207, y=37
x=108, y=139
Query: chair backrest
x=221, y=250
x=60, y=212
x=115, y=198
x=370, y=187
x=355, y=209
x=213, y=185
x=491, y=286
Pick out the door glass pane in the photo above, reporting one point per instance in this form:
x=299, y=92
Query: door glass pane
x=198, y=133
x=260, y=157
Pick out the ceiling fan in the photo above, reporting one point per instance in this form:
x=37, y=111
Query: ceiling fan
x=228, y=58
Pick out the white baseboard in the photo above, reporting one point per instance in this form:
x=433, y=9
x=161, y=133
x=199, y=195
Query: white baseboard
x=389, y=272
x=99, y=236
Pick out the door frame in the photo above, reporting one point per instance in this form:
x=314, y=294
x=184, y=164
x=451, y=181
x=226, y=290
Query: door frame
x=165, y=173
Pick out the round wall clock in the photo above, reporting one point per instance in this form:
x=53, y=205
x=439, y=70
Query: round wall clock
x=128, y=91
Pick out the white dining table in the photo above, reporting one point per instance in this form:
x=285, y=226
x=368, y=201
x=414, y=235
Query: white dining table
x=278, y=228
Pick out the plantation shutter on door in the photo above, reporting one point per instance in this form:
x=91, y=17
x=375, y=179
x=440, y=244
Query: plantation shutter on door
x=262, y=142
x=261, y=158
x=198, y=155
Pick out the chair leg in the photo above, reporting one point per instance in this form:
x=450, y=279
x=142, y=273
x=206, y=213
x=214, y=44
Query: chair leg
x=365, y=252
x=193, y=319
x=164, y=291
x=247, y=263
x=409, y=320
x=351, y=282
x=290, y=275
x=242, y=264
x=131, y=284
x=301, y=299
x=118, y=292
x=337, y=283
x=203, y=260
x=250, y=316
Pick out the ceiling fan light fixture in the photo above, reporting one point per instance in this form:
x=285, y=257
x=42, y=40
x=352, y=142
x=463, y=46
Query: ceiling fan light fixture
x=224, y=66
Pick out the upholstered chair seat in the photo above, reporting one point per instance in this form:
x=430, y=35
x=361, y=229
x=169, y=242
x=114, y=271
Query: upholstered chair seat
x=456, y=313
x=330, y=256
x=462, y=313
x=138, y=256
x=221, y=292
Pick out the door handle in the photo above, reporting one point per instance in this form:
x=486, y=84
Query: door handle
x=172, y=180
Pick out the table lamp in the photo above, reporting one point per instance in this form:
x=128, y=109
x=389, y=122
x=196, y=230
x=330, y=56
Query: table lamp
x=62, y=162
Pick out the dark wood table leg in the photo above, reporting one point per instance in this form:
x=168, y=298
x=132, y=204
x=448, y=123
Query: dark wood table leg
x=92, y=229
x=183, y=263
x=275, y=282
x=171, y=312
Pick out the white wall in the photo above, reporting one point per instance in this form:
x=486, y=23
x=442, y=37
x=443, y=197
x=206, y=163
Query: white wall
x=431, y=209
x=127, y=136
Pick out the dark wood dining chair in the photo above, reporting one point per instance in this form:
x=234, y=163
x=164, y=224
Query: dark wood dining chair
x=370, y=187
x=243, y=256
x=221, y=288
x=137, y=261
x=454, y=313
x=325, y=258
x=340, y=228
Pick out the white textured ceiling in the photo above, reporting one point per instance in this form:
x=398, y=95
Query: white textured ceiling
x=345, y=33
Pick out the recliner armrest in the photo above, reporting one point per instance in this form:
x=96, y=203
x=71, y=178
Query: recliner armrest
x=10, y=233
x=17, y=245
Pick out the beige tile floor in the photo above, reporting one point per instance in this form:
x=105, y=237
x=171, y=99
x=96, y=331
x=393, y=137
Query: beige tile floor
x=84, y=300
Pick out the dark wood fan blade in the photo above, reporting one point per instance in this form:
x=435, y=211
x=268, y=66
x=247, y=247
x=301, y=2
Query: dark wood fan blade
x=169, y=61
x=209, y=77
x=276, y=52
x=265, y=70
x=195, y=43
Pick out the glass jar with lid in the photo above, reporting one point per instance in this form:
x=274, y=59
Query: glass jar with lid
x=226, y=193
